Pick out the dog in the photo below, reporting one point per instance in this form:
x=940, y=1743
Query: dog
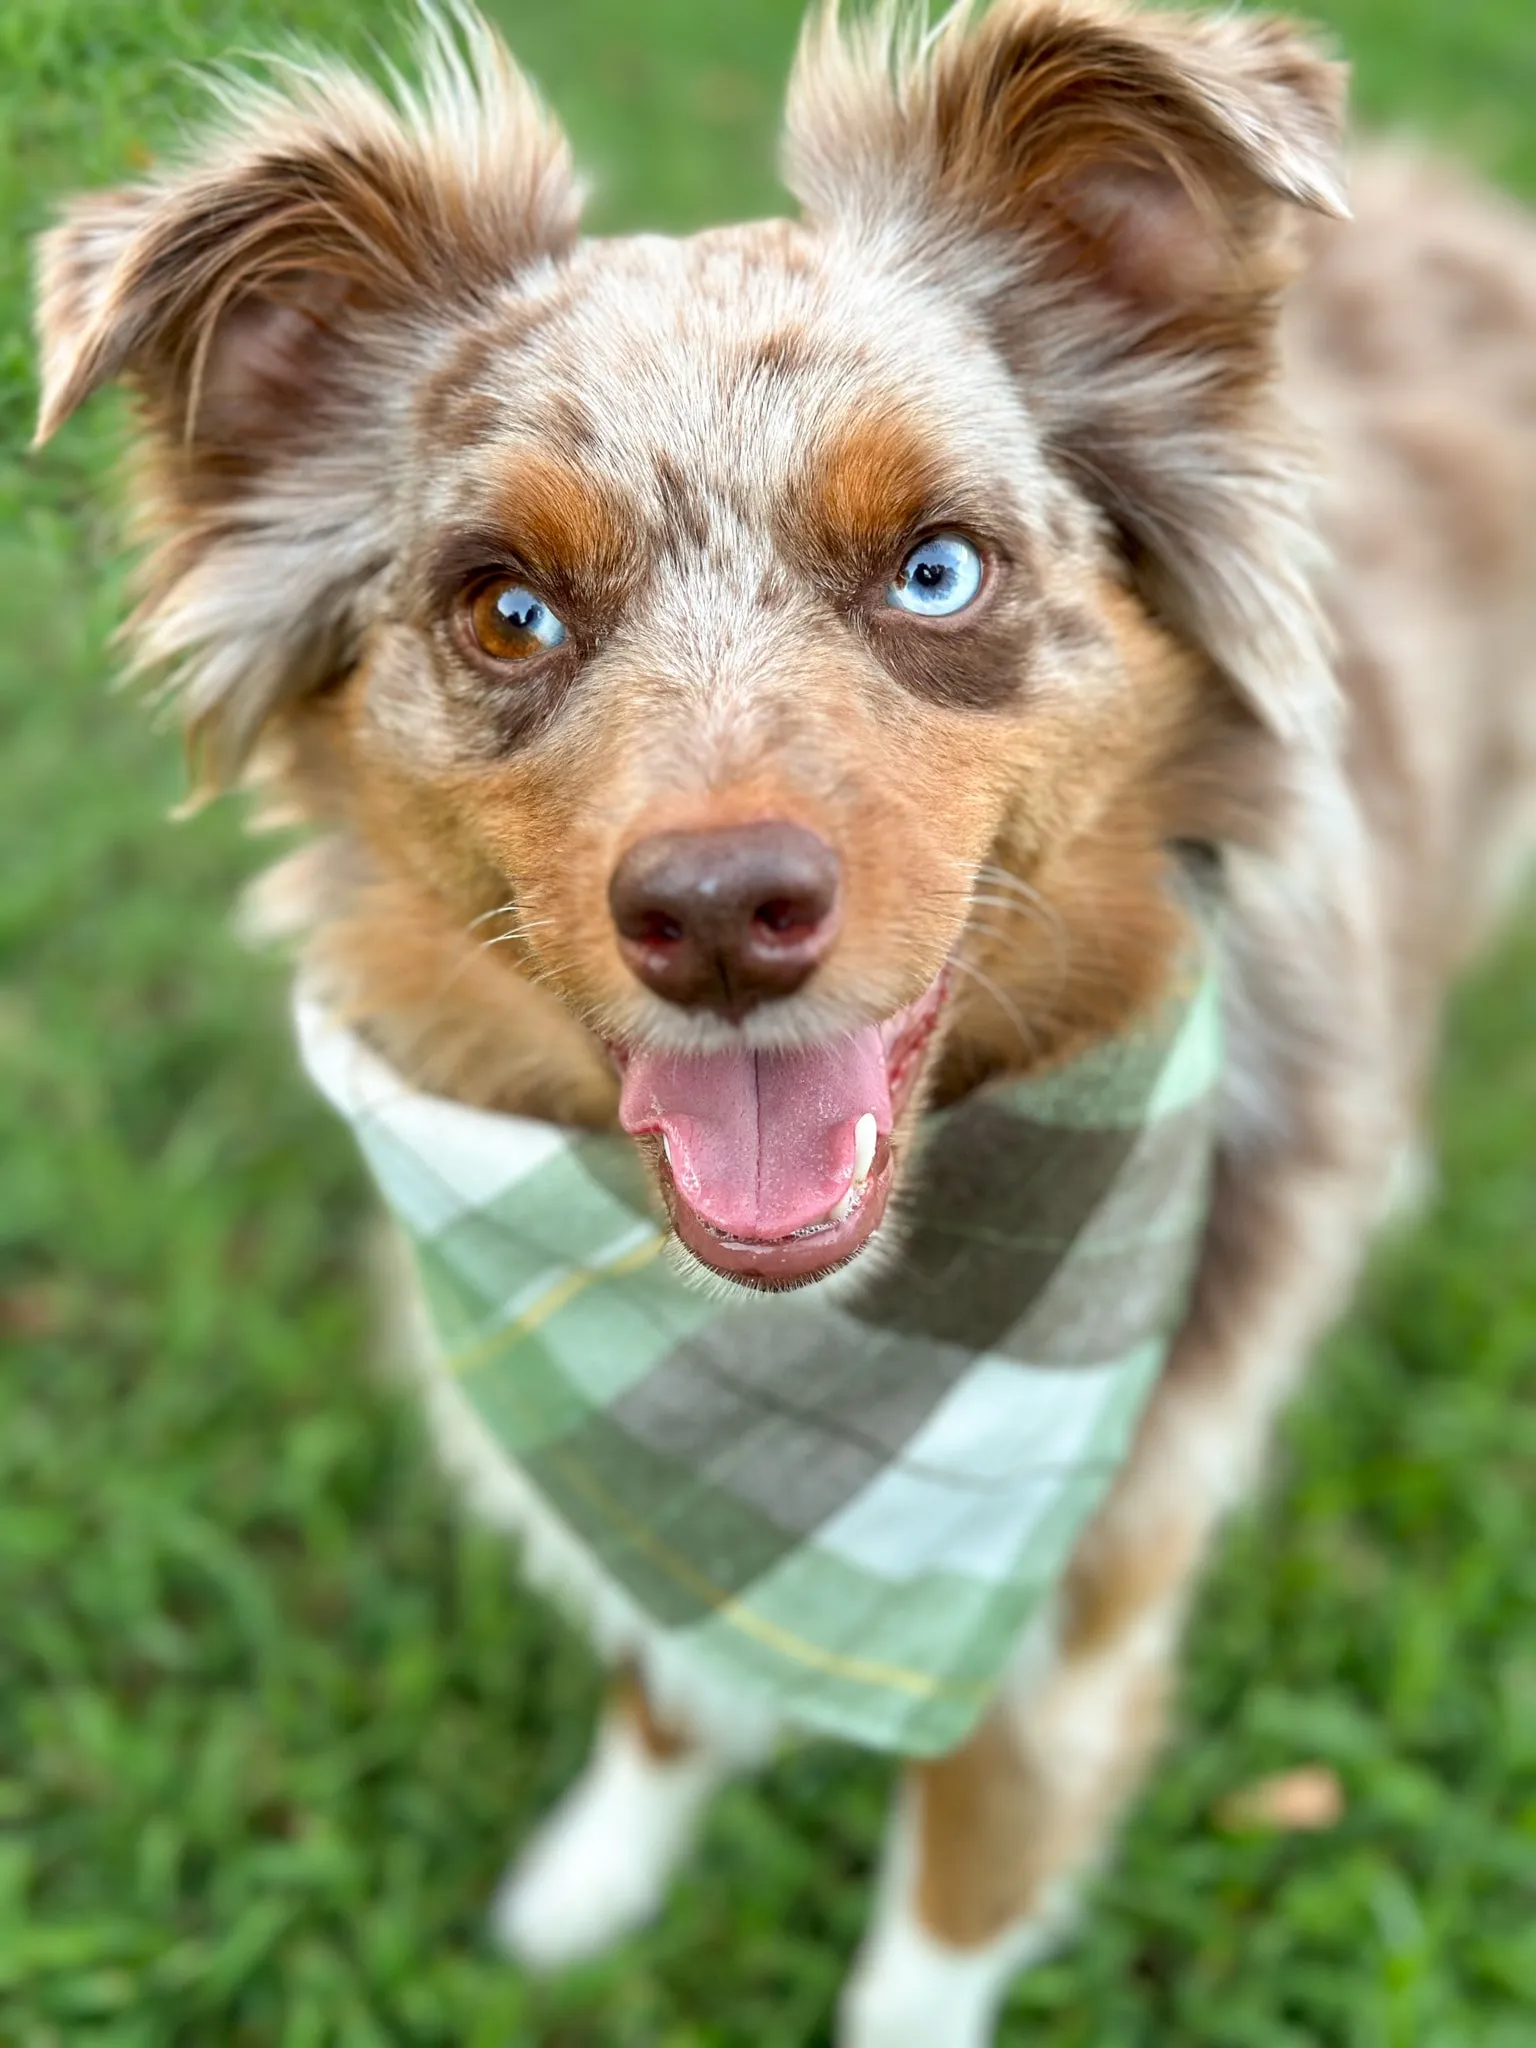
x=817, y=648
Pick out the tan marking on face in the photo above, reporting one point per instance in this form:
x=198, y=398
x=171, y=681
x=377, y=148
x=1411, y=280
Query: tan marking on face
x=438, y=1001
x=564, y=526
x=866, y=489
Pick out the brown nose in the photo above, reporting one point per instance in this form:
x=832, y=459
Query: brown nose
x=726, y=920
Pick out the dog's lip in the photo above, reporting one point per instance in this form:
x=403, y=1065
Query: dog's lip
x=819, y=1248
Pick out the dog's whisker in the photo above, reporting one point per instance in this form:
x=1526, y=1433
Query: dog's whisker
x=1027, y=1038
x=485, y=917
x=1010, y=905
x=1026, y=901
x=518, y=931
x=994, y=877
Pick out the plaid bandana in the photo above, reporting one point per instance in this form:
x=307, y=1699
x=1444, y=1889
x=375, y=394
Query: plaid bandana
x=847, y=1508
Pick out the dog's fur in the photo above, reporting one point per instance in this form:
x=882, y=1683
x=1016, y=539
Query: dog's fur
x=1258, y=490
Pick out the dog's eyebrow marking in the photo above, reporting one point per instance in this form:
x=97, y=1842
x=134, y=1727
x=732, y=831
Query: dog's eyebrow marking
x=864, y=490
x=565, y=527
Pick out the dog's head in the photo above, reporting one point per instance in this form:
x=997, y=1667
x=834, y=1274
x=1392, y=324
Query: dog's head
x=791, y=643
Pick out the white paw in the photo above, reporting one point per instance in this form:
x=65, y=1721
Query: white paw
x=599, y=1867
x=571, y=1897
x=910, y=1991
x=939, y=2003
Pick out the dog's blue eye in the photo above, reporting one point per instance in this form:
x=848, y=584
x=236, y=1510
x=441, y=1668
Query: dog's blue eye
x=510, y=623
x=940, y=576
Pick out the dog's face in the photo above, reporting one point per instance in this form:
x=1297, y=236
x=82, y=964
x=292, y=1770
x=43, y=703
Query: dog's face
x=740, y=618
x=756, y=636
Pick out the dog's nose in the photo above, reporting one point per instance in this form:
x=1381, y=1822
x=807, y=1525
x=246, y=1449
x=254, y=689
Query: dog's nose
x=726, y=920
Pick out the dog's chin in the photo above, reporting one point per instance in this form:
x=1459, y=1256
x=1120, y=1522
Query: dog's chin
x=818, y=1245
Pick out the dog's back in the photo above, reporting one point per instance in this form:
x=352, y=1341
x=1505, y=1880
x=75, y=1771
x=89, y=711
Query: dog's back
x=1413, y=338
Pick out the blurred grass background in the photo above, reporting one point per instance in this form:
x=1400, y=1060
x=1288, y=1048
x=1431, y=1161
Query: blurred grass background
x=270, y=1720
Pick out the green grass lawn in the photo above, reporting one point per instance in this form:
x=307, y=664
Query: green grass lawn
x=270, y=1719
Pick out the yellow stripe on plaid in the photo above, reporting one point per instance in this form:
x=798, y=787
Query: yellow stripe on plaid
x=565, y=1290
x=922, y=1685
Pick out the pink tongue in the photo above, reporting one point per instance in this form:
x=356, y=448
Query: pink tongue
x=761, y=1144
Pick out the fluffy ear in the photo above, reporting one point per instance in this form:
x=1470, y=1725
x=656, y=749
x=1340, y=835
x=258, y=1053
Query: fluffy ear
x=1116, y=193
x=263, y=300
x=321, y=195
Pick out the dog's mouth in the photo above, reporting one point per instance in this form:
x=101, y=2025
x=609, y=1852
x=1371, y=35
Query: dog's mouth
x=777, y=1166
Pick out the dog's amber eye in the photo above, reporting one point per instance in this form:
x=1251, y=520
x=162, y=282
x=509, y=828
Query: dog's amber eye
x=509, y=622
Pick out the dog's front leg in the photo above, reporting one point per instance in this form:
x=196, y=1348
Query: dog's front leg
x=600, y=1866
x=988, y=1845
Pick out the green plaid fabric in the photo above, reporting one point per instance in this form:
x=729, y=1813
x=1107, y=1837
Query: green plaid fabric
x=848, y=1508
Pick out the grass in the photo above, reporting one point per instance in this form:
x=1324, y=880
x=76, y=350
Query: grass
x=270, y=1719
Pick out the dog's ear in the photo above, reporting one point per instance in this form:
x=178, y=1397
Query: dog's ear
x=1141, y=154
x=224, y=287
x=263, y=300
x=1116, y=194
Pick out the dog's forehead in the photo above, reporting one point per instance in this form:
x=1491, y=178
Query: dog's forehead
x=727, y=357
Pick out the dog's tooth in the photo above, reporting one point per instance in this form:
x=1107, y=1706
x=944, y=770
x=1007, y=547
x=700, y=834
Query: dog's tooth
x=866, y=1132
x=666, y=1148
